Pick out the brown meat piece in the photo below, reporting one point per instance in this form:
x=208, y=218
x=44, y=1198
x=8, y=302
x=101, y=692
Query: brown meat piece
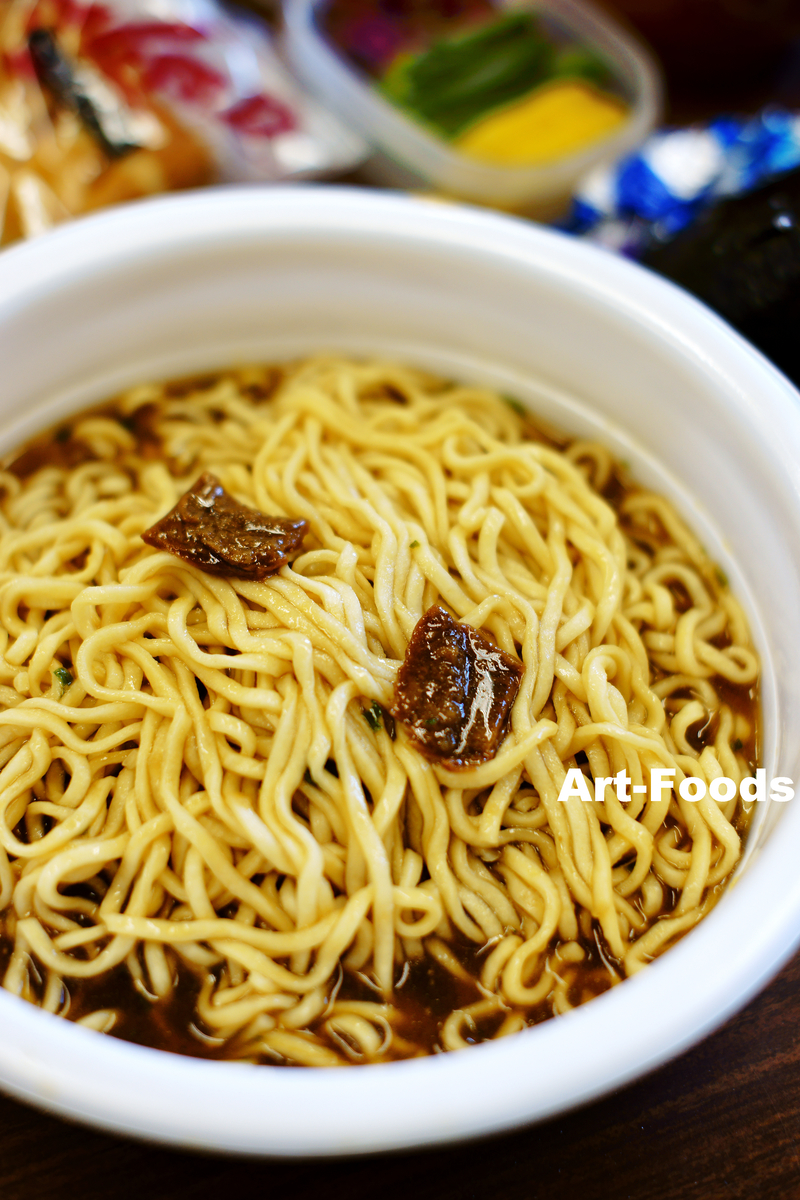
x=454, y=691
x=211, y=530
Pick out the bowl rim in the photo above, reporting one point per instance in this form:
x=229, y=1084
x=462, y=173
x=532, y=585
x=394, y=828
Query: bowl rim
x=293, y=1112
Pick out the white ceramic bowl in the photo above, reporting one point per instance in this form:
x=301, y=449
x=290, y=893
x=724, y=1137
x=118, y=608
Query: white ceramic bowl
x=189, y=283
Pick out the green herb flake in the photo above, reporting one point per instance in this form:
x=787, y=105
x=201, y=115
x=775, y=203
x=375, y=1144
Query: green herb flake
x=307, y=777
x=517, y=405
x=414, y=544
x=429, y=724
x=373, y=714
x=721, y=577
x=64, y=677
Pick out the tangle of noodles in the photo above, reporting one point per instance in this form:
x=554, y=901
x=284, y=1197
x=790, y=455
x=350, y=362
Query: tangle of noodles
x=196, y=781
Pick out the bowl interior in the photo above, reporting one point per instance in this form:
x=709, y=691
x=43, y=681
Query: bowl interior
x=591, y=343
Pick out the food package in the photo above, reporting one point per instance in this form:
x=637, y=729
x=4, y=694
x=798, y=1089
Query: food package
x=742, y=258
x=101, y=103
x=647, y=197
x=716, y=208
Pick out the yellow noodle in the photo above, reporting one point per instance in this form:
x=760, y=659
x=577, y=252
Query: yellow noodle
x=171, y=800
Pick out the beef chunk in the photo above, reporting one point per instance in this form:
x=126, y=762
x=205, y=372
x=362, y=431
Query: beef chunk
x=454, y=691
x=211, y=530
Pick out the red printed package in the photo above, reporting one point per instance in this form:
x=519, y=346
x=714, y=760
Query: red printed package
x=101, y=103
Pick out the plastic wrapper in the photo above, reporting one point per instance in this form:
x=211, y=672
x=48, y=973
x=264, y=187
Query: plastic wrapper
x=648, y=197
x=101, y=103
x=742, y=258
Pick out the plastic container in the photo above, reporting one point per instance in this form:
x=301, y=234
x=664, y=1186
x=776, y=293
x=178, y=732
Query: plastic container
x=407, y=156
x=596, y=344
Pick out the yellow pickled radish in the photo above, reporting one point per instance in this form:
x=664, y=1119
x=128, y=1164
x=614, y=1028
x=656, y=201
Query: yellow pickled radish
x=557, y=119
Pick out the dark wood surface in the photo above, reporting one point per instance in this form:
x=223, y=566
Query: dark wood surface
x=722, y=1122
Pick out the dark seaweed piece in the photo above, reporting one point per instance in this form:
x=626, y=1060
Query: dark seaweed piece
x=742, y=258
x=454, y=691
x=71, y=87
x=211, y=530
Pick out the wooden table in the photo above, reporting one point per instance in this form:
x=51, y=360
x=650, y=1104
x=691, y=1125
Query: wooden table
x=721, y=1122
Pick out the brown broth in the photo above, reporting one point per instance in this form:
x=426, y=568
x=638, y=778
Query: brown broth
x=424, y=996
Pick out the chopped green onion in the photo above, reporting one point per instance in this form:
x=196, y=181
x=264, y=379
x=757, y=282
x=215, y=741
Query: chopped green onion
x=373, y=715
x=414, y=544
x=64, y=677
x=517, y=405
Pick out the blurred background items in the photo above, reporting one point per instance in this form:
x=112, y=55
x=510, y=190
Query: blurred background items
x=101, y=103
x=667, y=130
x=719, y=55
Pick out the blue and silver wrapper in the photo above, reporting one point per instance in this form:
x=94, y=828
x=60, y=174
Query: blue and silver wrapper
x=660, y=189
